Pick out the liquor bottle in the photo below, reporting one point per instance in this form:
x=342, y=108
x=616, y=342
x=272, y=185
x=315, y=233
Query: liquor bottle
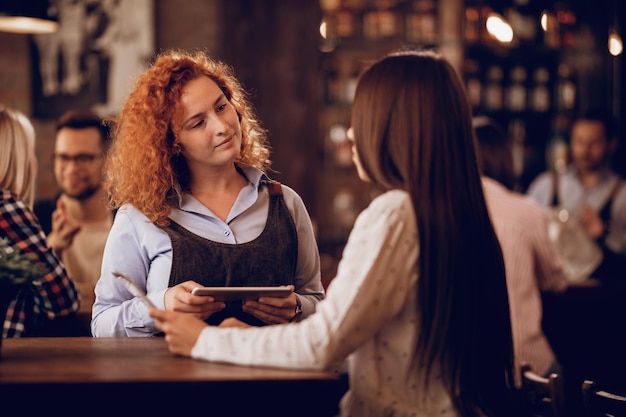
x=567, y=24
x=330, y=5
x=333, y=94
x=556, y=149
x=566, y=89
x=516, y=91
x=346, y=23
x=551, y=31
x=371, y=24
x=521, y=17
x=540, y=94
x=471, y=32
x=473, y=85
x=421, y=22
x=389, y=23
x=493, y=89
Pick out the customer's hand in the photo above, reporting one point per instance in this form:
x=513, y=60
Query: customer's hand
x=181, y=330
x=63, y=229
x=179, y=298
x=591, y=222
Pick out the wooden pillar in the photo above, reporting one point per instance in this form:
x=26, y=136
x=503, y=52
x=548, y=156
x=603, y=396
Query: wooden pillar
x=451, y=15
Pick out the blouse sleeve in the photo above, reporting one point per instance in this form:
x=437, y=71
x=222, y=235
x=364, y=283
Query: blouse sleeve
x=54, y=293
x=138, y=248
x=308, y=280
x=374, y=280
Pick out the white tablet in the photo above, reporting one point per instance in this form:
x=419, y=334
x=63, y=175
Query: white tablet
x=241, y=293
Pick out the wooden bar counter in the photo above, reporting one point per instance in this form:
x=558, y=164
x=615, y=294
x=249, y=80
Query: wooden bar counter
x=139, y=375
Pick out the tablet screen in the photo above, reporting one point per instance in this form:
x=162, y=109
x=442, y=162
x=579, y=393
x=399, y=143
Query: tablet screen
x=241, y=293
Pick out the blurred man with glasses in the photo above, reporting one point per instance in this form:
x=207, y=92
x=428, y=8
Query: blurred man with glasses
x=77, y=221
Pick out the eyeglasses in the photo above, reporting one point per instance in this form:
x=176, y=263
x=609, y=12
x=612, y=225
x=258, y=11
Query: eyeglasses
x=80, y=159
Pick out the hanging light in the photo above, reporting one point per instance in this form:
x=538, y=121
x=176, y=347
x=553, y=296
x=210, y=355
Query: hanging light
x=615, y=44
x=27, y=16
x=499, y=28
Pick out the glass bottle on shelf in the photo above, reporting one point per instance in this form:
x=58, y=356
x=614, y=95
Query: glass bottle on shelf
x=516, y=91
x=493, y=89
x=471, y=31
x=484, y=13
x=540, y=94
x=328, y=25
x=329, y=5
x=551, y=32
x=421, y=22
x=389, y=23
x=332, y=87
x=346, y=22
x=556, y=149
x=566, y=89
x=523, y=26
x=473, y=85
x=567, y=24
x=347, y=78
x=371, y=24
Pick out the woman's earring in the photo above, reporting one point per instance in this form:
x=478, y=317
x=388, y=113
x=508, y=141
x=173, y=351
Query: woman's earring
x=176, y=149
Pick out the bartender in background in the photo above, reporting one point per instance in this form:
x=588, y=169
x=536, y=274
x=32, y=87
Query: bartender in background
x=591, y=191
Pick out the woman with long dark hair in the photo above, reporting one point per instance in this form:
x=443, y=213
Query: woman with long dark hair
x=419, y=305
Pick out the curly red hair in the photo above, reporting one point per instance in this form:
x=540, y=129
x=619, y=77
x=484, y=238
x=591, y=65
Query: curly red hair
x=143, y=167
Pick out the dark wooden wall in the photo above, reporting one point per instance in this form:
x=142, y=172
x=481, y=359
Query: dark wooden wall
x=272, y=45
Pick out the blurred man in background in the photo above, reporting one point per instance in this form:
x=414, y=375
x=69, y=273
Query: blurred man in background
x=77, y=220
x=590, y=191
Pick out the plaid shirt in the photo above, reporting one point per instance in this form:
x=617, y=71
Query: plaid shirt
x=46, y=298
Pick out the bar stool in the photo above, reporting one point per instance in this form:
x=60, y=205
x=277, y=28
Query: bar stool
x=545, y=396
x=600, y=403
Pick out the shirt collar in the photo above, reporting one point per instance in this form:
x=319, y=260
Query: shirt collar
x=186, y=202
x=605, y=174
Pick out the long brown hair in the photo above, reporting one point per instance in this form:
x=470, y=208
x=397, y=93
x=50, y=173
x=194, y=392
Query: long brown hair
x=143, y=167
x=413, y=131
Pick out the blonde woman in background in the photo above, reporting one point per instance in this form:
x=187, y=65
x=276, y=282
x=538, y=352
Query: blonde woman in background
x=40, y=306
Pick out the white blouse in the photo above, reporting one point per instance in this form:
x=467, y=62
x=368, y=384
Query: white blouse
x=369, y=317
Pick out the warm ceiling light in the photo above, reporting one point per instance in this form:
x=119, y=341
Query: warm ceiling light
x=30, y=17
x=323, y=28
x=499, y=28
x=615, y=44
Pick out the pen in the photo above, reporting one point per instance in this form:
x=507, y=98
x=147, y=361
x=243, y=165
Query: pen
x=133, y=288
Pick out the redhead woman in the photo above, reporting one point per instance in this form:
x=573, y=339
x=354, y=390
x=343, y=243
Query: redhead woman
x=187, y=171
